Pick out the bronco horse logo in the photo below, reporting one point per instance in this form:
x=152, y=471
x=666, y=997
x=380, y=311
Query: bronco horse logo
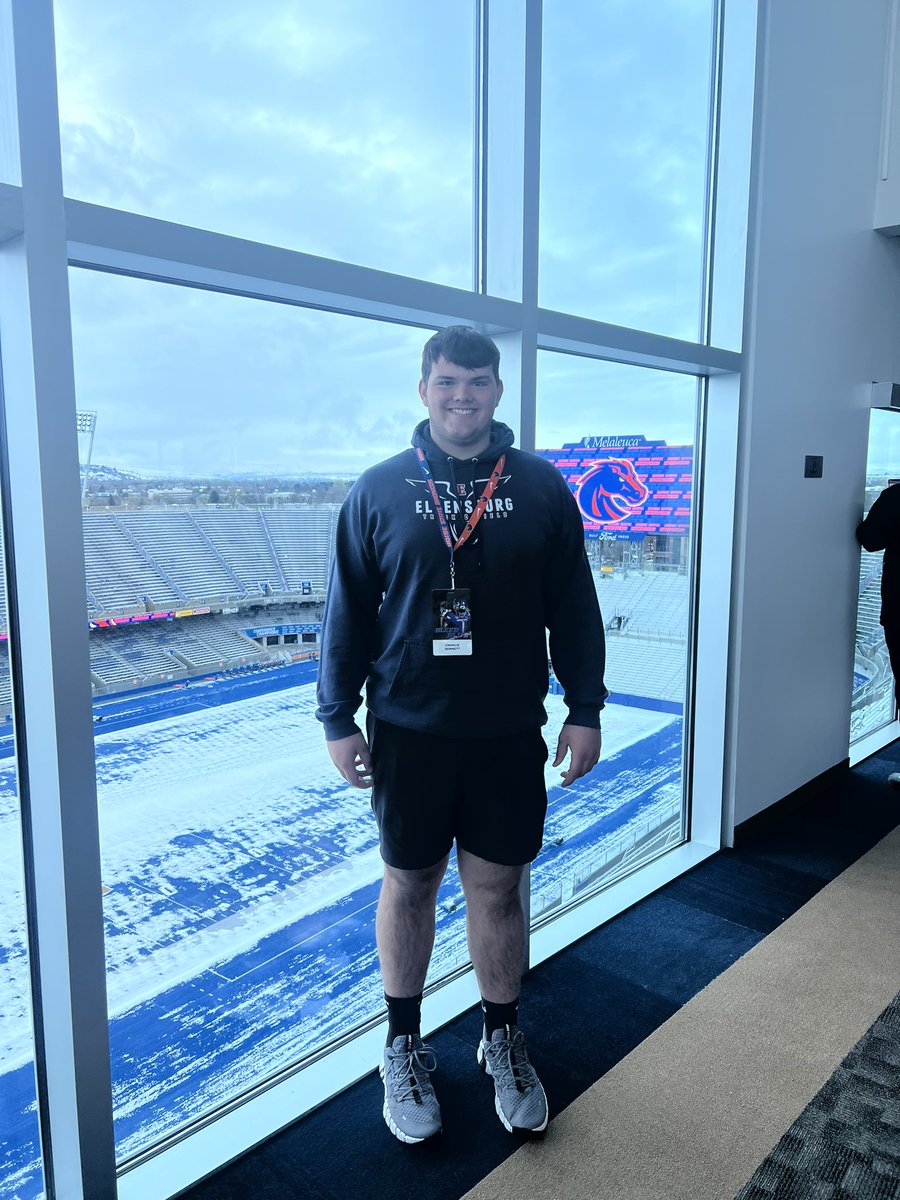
x=610, y=491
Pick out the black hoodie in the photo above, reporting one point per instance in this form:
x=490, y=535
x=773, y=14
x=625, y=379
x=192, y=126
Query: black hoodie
x=881, y=531
x=527, y=571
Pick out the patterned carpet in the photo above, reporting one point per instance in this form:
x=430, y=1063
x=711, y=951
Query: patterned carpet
x=845, y=1145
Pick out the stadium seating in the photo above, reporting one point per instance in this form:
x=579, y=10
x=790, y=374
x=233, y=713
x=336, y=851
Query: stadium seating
x=303, y=538
x=118, y=572
x=159, y=558
x=642, y=667
x=651, y=601
x=176, y=545
x=242, y=539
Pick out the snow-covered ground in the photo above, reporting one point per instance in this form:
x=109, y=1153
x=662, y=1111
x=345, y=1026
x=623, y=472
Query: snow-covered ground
x=243, y=875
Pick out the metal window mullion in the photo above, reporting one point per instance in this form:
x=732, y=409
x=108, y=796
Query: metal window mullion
x=49, y=652
x=511, y=187
x=503, y=183
x=731, y=128
x=712, y=171
x=479, y=147
x=531, y=195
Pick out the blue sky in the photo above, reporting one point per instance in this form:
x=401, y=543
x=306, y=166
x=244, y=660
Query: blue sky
x=344, y=130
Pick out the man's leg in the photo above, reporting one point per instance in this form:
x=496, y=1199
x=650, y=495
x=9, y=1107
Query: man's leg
x=892, y=641
x=404, y=926
x=404, y=932
x=495, y=924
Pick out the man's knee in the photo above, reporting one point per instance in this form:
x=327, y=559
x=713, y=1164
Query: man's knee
x=414, y=887
x=490, y=885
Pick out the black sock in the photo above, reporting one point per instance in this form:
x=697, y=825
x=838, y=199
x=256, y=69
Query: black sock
x=404, y=1016
x=498, y=1015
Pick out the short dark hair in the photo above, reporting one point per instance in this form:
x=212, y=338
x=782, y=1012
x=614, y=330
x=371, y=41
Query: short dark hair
x=461, y=345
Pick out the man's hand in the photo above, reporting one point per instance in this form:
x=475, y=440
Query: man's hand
x=351, y=757
x=585, y=747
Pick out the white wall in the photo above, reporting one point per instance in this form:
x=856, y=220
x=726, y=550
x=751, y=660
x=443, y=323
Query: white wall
x=823, y=321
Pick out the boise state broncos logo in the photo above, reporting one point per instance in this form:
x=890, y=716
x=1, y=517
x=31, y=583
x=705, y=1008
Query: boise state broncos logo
x=610, y=491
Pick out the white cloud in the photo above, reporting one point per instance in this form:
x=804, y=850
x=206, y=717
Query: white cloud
x=278, y=124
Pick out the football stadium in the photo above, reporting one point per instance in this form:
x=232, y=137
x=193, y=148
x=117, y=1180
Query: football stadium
x=240, y=873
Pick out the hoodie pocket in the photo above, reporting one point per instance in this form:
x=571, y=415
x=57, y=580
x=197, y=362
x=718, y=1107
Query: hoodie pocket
x=421, y=672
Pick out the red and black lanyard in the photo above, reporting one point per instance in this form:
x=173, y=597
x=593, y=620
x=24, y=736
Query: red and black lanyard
x=477, y=513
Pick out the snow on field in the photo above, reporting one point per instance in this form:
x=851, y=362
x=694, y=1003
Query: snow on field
x=218, y=828
x=243, y=876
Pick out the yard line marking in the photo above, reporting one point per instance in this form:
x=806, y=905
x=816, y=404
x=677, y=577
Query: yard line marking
x=294, y=946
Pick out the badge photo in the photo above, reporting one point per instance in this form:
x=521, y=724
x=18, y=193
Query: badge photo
x=451, y=611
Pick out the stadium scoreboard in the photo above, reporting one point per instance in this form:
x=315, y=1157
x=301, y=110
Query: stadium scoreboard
x=628, y=486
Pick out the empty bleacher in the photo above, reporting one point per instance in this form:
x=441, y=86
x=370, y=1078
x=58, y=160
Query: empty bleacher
x=303, y=539
x=181, y=553
x=130, y=654
x=242, y=540
x=645, y=613
x=868, y=620
x=650, y=669
x=261, y=561
x=118, y=573
x=650, y=602
x=177, y=558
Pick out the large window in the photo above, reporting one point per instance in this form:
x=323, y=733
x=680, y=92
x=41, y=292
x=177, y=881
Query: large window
x=345, y=129
x=624, y=439
x=624, y=145
x=240, y=907
x=244, y=225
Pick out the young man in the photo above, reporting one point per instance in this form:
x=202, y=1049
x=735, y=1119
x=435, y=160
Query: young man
x=461, y=522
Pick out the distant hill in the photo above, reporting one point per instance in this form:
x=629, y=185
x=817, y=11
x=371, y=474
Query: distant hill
x=102, y=474
x=99, y=473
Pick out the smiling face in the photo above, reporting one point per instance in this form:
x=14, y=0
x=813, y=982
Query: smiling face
x=460, y=403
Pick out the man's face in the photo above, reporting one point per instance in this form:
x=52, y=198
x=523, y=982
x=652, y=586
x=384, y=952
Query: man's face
x=460, y=405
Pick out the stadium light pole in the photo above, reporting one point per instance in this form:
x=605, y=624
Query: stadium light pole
x=86, y=422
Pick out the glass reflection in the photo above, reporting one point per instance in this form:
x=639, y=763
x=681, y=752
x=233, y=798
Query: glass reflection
x=623, y=439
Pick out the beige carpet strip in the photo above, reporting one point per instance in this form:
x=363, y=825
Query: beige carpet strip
x=692, y=1112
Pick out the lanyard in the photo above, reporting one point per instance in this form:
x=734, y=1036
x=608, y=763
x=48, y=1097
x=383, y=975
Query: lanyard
x=489, y=489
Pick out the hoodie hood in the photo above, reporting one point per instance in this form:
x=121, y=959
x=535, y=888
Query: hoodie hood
x=502, y=438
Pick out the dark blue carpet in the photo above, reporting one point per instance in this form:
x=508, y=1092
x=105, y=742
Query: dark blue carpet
x=586, y=1008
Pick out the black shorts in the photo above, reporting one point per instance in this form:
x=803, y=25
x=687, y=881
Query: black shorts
x=892, y=641
x=487, y=793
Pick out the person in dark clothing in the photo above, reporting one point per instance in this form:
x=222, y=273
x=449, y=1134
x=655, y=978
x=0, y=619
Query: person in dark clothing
x=462, y=522
x=880, y=530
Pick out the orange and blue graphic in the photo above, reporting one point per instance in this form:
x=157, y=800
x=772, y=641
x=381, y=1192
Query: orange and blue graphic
x=628, y=487
x=611, y=491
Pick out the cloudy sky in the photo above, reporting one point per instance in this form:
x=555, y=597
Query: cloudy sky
x=345, y=130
